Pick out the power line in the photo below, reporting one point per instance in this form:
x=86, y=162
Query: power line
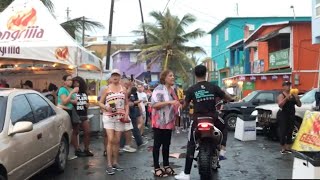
x=166, y=6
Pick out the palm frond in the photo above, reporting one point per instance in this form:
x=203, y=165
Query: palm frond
x=79, y=23
x=197, y=33
x=49, y=5
x=193, y=50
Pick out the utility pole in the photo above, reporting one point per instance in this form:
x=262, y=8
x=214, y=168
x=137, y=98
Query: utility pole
x=83, y=19
x=68, y=13
x=237, y=9
x=109, y=36
x=294, y=13
x=142, y=20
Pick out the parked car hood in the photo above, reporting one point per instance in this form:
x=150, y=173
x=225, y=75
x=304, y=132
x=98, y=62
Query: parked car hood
x=274, y=109
x=268, y=107
x=235, y=105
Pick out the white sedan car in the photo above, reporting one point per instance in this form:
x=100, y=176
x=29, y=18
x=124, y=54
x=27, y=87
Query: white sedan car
x=34, y=134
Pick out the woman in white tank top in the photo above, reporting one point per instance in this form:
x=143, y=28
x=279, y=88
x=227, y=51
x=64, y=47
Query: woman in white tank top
x=115, y=107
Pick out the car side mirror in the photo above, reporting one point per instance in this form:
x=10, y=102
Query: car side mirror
x=21, y=127
x=256, y=101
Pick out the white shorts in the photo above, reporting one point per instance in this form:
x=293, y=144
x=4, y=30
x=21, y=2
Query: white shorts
x=128, y=126
x=112, y=123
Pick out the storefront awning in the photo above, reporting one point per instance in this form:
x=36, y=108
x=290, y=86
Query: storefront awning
x=273, y=34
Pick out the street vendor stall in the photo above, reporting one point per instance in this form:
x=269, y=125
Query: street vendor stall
x=33, y=46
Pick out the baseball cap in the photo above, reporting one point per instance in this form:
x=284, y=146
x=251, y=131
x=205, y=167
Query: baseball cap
x=116, y=71
x=28, y=83
x=286, y=83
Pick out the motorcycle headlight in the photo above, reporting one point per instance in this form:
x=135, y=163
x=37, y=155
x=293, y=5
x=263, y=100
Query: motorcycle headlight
x=254, y=113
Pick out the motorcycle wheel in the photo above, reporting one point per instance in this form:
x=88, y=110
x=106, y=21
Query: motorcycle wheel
x=205, y=160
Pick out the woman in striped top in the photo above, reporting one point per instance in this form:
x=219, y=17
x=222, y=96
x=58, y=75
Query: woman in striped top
x=115, y=107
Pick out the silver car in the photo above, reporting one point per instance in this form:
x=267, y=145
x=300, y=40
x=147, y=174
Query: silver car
x=34, y=134
x=266, y=115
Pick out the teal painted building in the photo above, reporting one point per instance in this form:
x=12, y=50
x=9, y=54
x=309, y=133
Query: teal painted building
x=230, y=32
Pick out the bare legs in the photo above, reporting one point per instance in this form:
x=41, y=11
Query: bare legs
x=113, y=146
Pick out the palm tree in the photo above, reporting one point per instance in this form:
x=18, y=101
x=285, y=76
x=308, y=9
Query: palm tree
x=166, y=40
x=71, y=26
x=76, y=25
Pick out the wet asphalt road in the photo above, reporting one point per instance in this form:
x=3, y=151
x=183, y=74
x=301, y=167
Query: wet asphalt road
x=259, y=159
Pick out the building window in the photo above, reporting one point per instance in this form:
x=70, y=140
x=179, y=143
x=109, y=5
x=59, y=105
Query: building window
x=217, y=40
x=133, y=57
x=285, y=43
x=226, y=34
x=317, y=8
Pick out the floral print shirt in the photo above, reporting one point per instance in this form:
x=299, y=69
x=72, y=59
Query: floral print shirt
x=165, y=117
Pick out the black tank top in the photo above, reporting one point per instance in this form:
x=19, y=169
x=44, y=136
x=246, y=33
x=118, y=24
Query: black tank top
x=289, y=106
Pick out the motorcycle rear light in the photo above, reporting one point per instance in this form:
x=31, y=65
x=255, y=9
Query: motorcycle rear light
x=204, y=126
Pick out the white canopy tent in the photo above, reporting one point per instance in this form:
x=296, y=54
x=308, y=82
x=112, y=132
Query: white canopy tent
x=29, y=32
x=31, y=39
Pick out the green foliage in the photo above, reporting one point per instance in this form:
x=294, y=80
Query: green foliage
x=166, y=41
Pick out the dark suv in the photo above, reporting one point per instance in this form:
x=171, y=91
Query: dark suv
x=247, y=105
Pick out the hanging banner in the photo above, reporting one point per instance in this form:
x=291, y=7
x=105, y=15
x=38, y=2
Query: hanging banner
x=308, y=138
x=264, y=78
x=274, y=77
x=253, y=78
x=249, y=86
x=279, y=59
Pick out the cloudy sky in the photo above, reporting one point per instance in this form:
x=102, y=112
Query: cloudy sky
x=208, y=13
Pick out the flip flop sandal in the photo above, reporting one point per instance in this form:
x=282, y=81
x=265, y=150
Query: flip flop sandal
x=161, y=174
x=168, y=170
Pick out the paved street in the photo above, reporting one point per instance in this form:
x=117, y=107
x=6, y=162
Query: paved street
x=259, y=159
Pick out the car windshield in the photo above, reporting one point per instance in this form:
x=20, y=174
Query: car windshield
x=3, y=106
x=250, y=96
x=309, y=97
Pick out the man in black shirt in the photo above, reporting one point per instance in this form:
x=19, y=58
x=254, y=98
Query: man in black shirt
x=203, y=95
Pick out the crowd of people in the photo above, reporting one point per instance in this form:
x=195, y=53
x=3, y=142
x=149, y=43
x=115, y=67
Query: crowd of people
x=128, y=108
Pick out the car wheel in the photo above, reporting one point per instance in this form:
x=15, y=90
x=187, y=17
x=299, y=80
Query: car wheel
x=231, y=121
x=2, y=177
x=62, y=156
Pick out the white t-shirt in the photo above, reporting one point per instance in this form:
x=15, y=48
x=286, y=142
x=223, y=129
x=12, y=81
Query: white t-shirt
x=143, y=97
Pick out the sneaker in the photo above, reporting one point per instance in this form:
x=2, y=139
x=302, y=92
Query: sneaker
x=110, y=170
x=128, y=148
x=182, y=176
x=222, y=152
x=221, y=158
x=88, y=153
x=178, y=131
x=283, y=152
x=121, y=150
x=117, y=167
x=144, y=143
x=289, y=151
x=79, y=153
